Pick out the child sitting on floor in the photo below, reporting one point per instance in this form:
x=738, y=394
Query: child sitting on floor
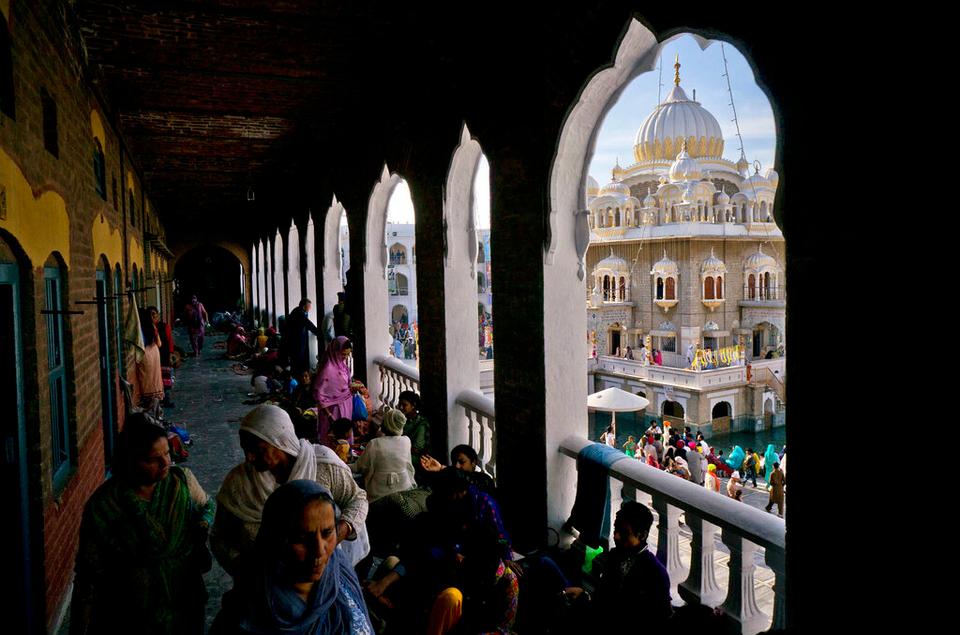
x=341, y=436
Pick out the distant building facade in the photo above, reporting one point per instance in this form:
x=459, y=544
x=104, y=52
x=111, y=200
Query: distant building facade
x=685, y=258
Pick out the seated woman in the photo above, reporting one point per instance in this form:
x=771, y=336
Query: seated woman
x=417, y=428
x=237, y=345
x=485, y=593
x=296, y=580
x=435, y=546
x=141, y=559
x=465, y=459
x=385, y=463
x=274, y=455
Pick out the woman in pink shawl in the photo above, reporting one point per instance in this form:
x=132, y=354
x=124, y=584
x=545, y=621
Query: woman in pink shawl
x=331, y=388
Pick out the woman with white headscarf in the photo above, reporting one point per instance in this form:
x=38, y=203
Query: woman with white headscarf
x=274, y=456
x=385, y=463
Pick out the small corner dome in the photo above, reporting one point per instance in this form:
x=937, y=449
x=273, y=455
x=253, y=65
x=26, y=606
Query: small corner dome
x=742, y=165
x=612, y=262
x=755, y=180
x=713, y=265
x=723, y=198
x=759, y=261
x=685, y=167
x=592, y=186
x=773, y=178
x=665, y=267
x=615, y=188
x=649, y=200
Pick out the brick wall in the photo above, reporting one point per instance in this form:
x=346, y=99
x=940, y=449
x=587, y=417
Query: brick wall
x=45, y=56
x=62, y=524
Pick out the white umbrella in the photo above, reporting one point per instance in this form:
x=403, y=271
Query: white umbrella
x=614, y=400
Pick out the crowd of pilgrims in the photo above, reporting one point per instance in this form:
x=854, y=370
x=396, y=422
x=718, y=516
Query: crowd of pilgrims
x=340, y=519
x=690, y=457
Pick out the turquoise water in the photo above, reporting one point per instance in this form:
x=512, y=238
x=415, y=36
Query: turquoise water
x=632, y=423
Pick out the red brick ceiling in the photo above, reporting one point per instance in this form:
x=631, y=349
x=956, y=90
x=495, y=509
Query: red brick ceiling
x=209, y=94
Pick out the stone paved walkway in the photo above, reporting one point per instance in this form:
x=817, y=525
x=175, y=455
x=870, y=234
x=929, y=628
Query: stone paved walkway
x=208, y=398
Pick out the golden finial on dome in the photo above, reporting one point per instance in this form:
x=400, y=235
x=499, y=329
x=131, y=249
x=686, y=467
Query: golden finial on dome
x=676, y=66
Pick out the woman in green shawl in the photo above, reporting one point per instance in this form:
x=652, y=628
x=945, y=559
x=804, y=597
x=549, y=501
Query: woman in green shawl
x=142, y=555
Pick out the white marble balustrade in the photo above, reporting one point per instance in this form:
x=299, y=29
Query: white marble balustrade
x=395, y=377
x=743, y=530
x=481, y=428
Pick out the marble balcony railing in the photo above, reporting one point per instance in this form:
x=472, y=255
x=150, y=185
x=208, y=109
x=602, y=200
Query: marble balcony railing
x=743, y=530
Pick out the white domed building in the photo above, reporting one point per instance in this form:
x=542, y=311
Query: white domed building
x=686, y=258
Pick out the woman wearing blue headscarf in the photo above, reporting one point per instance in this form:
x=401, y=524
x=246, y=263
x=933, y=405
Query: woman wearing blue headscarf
x=735, y=460
x=296, y=581
x=769, y=458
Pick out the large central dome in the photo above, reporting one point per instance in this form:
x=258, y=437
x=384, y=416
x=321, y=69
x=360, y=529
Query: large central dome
x=674, y=121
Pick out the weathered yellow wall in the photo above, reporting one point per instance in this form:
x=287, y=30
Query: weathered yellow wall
x=40, y=224
x=130, y=183
x=135, y=251
x=96, y=125
x=107, y=241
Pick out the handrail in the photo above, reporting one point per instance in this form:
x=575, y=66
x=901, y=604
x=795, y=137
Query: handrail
x=772, y=381
x=410, y=372
x=481, y=428
x=756, y=526
x=742, y=530
x=395, y=377
x=477, y=401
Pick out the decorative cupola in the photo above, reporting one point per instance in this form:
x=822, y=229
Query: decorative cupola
x=613, y=209
x=723, y=212
x=666, y=275
x=612, y=279
x=761, y=275
x=743, y=167
x=685, y=167
x=713, y=275
x=648, y=214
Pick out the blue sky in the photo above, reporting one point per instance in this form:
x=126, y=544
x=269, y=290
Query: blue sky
x=703, y=71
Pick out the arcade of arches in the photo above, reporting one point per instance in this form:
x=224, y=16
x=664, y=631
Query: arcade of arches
x=158, y=162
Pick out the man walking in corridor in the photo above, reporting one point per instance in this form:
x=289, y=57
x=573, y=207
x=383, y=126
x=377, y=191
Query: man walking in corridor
x=295, y=343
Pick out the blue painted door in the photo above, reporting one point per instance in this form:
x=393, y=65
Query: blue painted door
x=16, y=601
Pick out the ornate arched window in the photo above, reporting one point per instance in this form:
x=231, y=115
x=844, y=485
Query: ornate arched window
x=398, y=254
x=763, y=274
x=712, y=271
x=666, y=273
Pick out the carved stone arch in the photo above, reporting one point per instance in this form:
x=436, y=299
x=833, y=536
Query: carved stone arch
x=376, y=308
x=460, y=279
x=459, y=215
